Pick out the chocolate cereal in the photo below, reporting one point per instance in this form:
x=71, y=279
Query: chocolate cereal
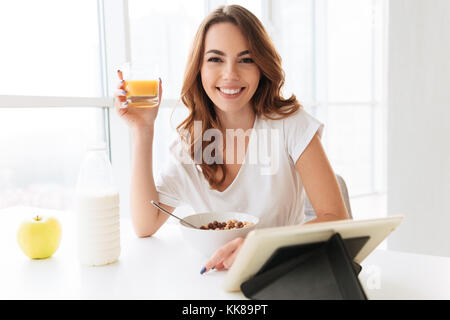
x=230, y=224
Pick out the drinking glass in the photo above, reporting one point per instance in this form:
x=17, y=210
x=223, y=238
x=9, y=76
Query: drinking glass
x=142, y=85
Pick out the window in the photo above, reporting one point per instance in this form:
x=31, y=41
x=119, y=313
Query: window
x=333, y=59
x=161, y=32
x=49, y=52
x=50, y=98
x=59, y=75
x=41, y=151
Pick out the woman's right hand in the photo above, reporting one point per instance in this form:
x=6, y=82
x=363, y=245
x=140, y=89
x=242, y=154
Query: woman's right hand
x=224, y=257
x=136, y=118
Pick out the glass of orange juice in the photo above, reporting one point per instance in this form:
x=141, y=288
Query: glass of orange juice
x=142, y=85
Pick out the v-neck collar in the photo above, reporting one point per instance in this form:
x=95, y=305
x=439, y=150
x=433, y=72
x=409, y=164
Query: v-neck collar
x=244, y=162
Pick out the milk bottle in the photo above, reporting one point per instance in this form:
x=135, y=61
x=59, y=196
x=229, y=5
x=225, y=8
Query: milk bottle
x=96, y=206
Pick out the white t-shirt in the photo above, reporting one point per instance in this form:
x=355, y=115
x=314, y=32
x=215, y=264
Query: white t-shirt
x=267, y=184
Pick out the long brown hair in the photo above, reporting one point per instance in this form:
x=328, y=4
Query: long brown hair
x=267, y=100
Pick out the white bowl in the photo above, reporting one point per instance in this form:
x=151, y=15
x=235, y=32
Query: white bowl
x=208, y=241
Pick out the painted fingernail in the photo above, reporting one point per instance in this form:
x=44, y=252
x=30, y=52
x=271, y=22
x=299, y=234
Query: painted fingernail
x=124, y=92
x=203, y=270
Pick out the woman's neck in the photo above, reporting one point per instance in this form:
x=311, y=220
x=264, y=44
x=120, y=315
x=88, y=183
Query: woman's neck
x=242, y=119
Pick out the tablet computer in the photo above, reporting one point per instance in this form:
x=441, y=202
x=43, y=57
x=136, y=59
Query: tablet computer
x=260, y=244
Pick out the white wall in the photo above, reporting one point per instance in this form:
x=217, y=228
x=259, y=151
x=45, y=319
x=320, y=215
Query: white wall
x=419, y=125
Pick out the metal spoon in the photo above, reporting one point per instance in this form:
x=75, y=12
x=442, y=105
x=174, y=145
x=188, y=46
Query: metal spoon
x=171, y=214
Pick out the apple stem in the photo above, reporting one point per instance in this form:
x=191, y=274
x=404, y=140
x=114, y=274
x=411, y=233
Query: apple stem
x=37, y=218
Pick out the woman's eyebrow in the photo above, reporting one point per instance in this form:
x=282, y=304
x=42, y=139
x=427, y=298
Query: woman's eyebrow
x=220, y=53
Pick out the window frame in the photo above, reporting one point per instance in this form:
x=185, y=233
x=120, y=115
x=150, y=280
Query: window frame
x=320, y=102
x=115, y=48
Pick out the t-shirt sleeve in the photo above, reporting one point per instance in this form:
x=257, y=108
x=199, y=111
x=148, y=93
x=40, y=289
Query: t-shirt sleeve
x=168, y=181
x=167, y=190
x=299, y=129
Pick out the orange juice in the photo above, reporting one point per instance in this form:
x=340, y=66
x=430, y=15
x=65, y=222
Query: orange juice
x=142, y=93
x=141, y=88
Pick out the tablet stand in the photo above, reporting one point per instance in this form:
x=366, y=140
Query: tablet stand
x=322, y=270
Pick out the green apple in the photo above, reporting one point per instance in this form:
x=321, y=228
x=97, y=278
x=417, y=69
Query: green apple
x=39, y=237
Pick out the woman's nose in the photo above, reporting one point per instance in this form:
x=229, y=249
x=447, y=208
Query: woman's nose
x=231, y=72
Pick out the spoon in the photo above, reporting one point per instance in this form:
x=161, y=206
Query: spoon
x=164, y=210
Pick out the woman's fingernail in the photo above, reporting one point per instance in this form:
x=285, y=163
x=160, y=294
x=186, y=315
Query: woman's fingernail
x=124, y=92
x=203, y=270
x=122, y=81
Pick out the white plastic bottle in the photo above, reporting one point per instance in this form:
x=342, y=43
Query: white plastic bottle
x=96, y=205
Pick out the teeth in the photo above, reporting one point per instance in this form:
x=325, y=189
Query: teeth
x=228, y=91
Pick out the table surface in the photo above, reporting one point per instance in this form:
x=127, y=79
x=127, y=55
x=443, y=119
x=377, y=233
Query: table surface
x=165, y=267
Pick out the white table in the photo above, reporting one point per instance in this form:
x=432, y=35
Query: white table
x=164, y=267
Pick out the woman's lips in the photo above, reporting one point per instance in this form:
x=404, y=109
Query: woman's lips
x=230, y=96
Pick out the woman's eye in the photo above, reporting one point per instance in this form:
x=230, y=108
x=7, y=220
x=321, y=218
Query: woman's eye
x=247, y=60
x=214, y=59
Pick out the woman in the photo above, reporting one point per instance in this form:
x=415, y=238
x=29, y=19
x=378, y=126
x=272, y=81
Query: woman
x=232, y=85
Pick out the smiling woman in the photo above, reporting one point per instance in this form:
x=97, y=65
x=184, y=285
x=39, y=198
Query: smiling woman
x=229, y=78
x=241, y=77
x=232, y=82
x=231, y=91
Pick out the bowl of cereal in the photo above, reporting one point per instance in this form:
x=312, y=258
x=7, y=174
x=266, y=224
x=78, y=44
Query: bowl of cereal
x=215, y=229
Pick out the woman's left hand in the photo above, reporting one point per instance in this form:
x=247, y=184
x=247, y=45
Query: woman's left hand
x=224, y=257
